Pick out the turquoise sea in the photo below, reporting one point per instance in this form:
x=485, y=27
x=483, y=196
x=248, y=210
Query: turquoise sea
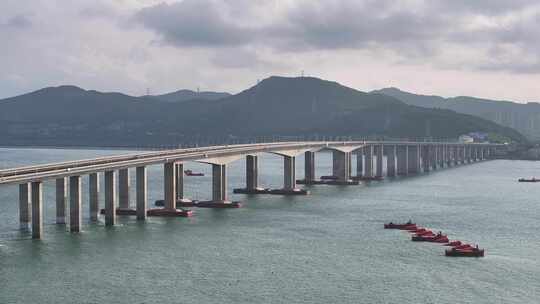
x=328, y=247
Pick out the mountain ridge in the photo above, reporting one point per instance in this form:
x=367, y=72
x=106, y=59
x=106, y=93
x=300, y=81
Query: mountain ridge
x=276, y=106
x=524, y=117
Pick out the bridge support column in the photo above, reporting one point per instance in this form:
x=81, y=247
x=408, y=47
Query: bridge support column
x=360, y=162
x=141, y=177
x=25, y=191
x=289, y=174
x=402, y=160
x=61, y=198
x=448, y=155
x=309, y=167
x=252, y=172
x=75, y=216
x=93, y=187
x=169, y=185
x=379, y=153
x=179, y=172
x=442, y=160
x=426, y=159
x=219, y=182
x=123, y=188
x=414, y=159
x=341, y=165
x=37, y=209
x=110, y=198
x=368, y=161
x=391, y=160
x=435, y=157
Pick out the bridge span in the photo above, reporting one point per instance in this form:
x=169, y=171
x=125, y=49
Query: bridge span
x=402, y=158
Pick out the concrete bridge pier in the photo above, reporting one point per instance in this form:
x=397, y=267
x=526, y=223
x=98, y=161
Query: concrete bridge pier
x=180, y=196
x=172, y=188
x=289, y=174
x=179, y=180
x=452, y=156
x=403, y=160
x=309, y=167
x=169, y=185
x=75, y=215
x=93, y=188
x=141, y=180
x=460, y=155
x=444, y=156
x=448, y=156
x=442, y=159
x=379, y=151
x=368, y=162
x=391, y=160
x=219, y=182
x=110, y=198
x=61, y=199
x=37, y=209
x=25, y=204
x=426, y=159
x=360, y=162
x=414, y=159
x=341, y=165
x=252, y=176
x=252, y=172
x=434, y=157
x=124, y=185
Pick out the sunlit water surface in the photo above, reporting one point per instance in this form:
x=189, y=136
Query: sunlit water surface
x=328, y=247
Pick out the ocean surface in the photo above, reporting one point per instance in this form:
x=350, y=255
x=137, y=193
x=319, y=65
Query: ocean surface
x=328, y=247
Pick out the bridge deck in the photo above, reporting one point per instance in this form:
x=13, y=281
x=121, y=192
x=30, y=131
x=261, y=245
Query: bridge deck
x=81, y=167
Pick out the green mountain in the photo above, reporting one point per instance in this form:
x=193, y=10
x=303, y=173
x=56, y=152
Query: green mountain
x=277, y=106
x=523, y=117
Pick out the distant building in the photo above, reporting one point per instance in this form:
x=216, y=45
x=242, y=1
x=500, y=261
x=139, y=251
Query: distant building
x=466, y=138
x=478, y=136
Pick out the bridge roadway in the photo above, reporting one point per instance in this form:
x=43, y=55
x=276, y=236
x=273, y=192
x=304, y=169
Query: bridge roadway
x=402, y=158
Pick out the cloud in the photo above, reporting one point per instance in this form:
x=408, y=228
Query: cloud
x=411, y=29
x=194, y=23
x=128, y=45
x=19, y=21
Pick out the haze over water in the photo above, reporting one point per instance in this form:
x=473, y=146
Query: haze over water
x=328, y=247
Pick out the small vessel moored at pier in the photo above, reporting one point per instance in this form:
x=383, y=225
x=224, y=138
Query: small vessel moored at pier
x=367, y=178
x=191, y=173
x=529, y=180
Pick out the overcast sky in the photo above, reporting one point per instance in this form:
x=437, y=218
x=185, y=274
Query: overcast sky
x=485, y=48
